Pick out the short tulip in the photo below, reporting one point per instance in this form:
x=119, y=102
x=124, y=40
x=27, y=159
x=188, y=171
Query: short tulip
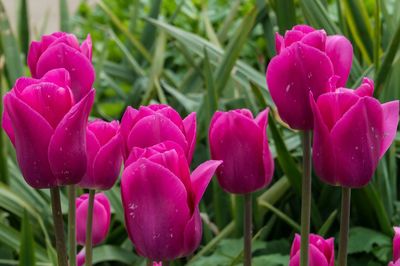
x=156, y=123
x=306, y=60
x=241, y=142
x=104, y=155
x=321, y=251
x=161, y=198
x=352, y=131
x=80, y=257
x=62, y=50
x=101, y=218
x=48, y=129
x=396, y=247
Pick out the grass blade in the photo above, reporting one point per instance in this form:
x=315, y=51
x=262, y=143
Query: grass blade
x=26, y=249
x=23, y=26
x=64, y=16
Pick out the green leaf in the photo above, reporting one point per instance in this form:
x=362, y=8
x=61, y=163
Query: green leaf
x=23, y=26
x=64, y=16
x=365, y=240
x=26, y=249
x=271, y=260
x=286, y=15
x=105, y=253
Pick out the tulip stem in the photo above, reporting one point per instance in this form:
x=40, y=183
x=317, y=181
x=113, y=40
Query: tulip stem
x=89, y=224
x=71, y=224
x=247, y=229
x=58, y=226
x=305, y=199
x=344, y=226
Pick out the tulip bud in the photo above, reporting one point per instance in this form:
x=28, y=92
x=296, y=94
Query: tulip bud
x=307, y=60
x=101, y=218
x=104, y=152
x=62, y=50
x=352, y=131
x=156, y=123
x=396, y=247
x=81, y=257
x=241, y=142
x=161, y=198
x=321, y=251
x=47, y=129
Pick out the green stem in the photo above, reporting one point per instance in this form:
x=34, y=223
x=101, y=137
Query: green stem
x=58, y=227
x=344, y=226
x=377, y=33
x=247, y=229
x=89, y=225
x=71, y=224
x=305, y=199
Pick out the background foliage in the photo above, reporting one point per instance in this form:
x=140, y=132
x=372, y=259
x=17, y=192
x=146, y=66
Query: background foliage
x=202, y=56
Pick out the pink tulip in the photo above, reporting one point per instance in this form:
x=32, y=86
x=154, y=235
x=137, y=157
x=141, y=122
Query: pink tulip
x=397, y=263
x=81, y=257
x=160, y=199
x=104, y=154
x=321, y=251
x=306, y=60
x=101, y=218
x=352, y=131
x=396, y=247
x=47, y=129
x=62, y=50
x=157, y=123
x=241, y=142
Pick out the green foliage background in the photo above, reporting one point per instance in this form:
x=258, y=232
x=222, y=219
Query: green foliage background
x=202, y=56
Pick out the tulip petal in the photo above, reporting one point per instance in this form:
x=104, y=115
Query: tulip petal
x=35, y=50
x=86, y=47
x=390, y=122
x=7, y=125
x=366, y=88
x=189, y=123
x=59, y=76
x=92, y=148
x=127, y=122
x=396, y=244
x=67, y=149
x=303, y=28
x=193, y=233
x=315, y=39
x=79, y=67
x=201, y=177
x=340, y=51
x=156, y=211
x=357, y=143
x=279, y=43
x=293, y=36
x=316, y=258
x=291, y=75
x=32, y=136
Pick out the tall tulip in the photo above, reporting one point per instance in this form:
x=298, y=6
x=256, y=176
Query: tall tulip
x=160, y=199
x=62, y=50
x=104, y=151
x=396, y=247
x=156, y=123
x=321, y=251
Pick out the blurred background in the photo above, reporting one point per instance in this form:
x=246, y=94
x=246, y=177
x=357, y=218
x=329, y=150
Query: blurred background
x=204, y=56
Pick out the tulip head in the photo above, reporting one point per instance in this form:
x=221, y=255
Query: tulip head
x=241, y=142
x=321, y=251
x=160, y=199
x=48, y=129
x=307, y=60
x=62, y=50
x=396, y=245
x=101, y=218
x=150, y=125
x=352, y=131
x=104, y=155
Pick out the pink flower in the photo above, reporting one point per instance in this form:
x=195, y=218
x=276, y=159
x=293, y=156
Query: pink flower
x=352, y=131
x=306, y=60
x=62, y=50
x=321, y=251
x=48, y=129
x=157, y=123
x=101, y=218
x=241, y=142
x=104, y=151
x=81, y=257
x=396, y=247
x=160, y=199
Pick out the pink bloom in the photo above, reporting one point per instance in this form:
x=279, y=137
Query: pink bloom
x=81, y=257
x=160, y=199
x=241, y=142
x=306, y=60
x=62, y=50
x=101, y=218
x=157, y=123
x=47, y=129
x=352, y=131
x=321, y=251
x=104, y=151
x=396, y=247
x=392, y=263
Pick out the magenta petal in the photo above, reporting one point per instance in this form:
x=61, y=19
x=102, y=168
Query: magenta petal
x=315, y=39
x=366, y=88
x=86, y=47
x=291, y=75
x=340, y=51
x=303, y=28
x=316, y=258
x=79, y=67
x=193, y=233
x=127, y=122
x=33, y=56
x=356, y=139
x=67, y=149
x=390, y=122
x=279, y=43
x=32, y=136
x=156, y=211
x=396, y=244
x=189, y=123
x=7, y=125
x=59, y=76
x=92, y=148
x=201, y=177
x=80, y=257
x=293, y=36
